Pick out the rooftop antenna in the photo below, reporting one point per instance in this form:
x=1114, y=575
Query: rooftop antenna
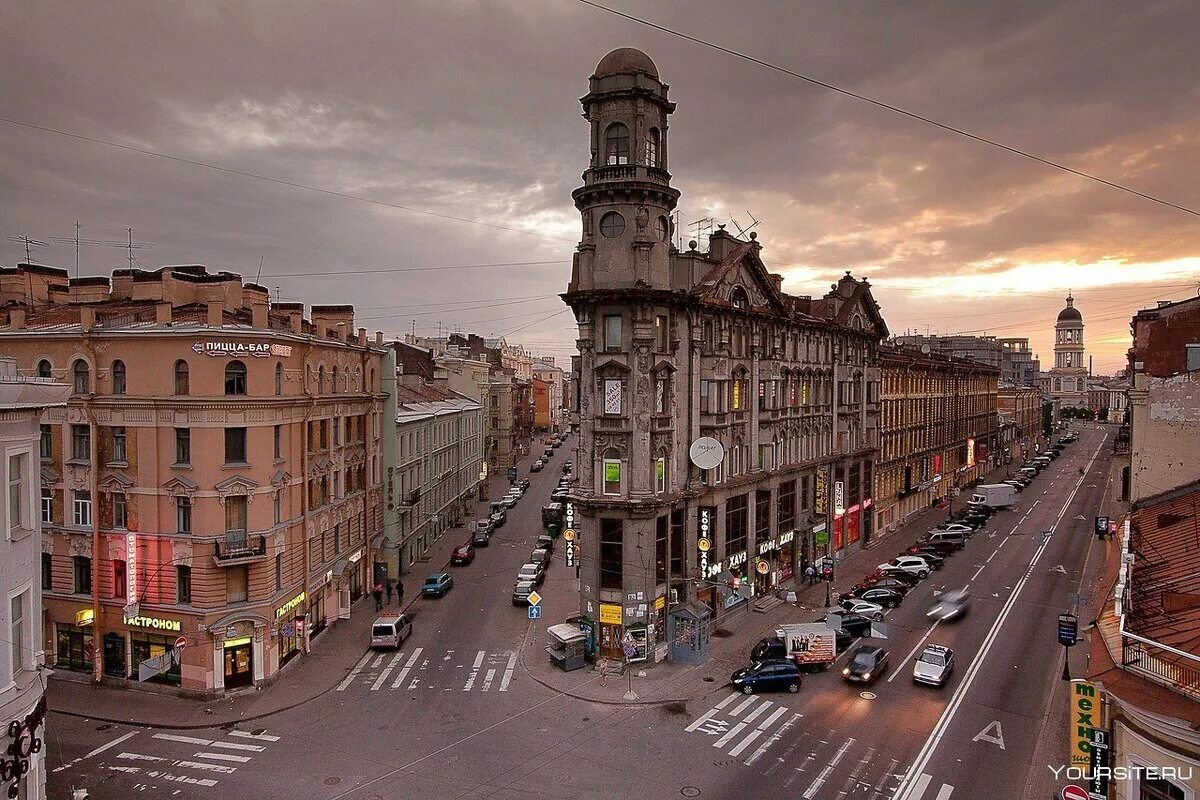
x=703, y=224
x=743, y=231
x=29, y=244
x=129, y=244
x=258, y=277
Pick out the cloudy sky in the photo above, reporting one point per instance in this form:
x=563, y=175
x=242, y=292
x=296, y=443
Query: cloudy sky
x=469, y=110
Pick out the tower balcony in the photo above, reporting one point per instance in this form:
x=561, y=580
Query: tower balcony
x=629, y=172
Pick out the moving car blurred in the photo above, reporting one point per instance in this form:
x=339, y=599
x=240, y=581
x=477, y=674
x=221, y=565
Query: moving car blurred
x=950, y=606
x=866, y=664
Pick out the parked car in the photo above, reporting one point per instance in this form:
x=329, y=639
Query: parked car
x=943, y=549
x=533, y=572
x=548, y=453
x=522, y=484
x=540, y=555
x=437, y=584
x=899, y=580
x=545, y=542
x=855, y=625
x=777, y=675
x=498, y=519
x=954, y=526
x=567, y=467
x=463, y=555
x=390, y=630
x=537, y=466
x=510, y=499
x=934, y=560
x=552, y=514
x=913, y=566
x=484, y=525
x=481, y=537
x=1069, y=438
x=863, y=608
x=521, y=592
x=1016, y=484
x=957, y=538
x=950, y=606
x=560, y=495
x=886, y=597
x=934, y=665
x=866, y=664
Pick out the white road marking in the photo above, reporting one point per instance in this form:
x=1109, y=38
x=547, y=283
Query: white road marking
x=743, y=705
x=945, y=792
x=707, y=714
x=375, y=664
x=734, y=731
x=207, y=767
x=119, y=768
x=744, y=743
x=474, y=672
x=383, y=676
x=976, y=575
x=408, y=666
x=98, y=750
x=487, y=680
x=223, y=757
x=753, y=715
x=341, y=687
x=171, y=737
x=775, y=737
x=920, y=786
x=166, y=776
x=913, y=652
x=508, y=672
x=811, y=791
x=254, y=748
x=265, y=737
x=140, y=757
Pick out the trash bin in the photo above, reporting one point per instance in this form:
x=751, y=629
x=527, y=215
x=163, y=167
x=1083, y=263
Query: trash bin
x=552, y=529
x=568, y=647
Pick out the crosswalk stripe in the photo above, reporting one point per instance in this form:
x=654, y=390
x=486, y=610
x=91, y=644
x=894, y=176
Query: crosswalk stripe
x=256, y=748
x=375, y=664
x=710, y=713
x=743, y=705
x=222, y=768
x=775, y=737
x=171, y=737
x=918, y=790
x=408, y=666
x=386, y=671
x=349, y=679
x=474, y=671
x=223, y=757
x=811, y=791
x=508, y=672
x=753, y=715
x=744, y=743
x=734, y=731
x=166, y=776
x=945, y=792
x=266, y=737
x=487, y=680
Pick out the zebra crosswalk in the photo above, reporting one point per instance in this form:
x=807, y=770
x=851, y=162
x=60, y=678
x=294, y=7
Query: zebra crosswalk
x=810, y=762
x=466, y=671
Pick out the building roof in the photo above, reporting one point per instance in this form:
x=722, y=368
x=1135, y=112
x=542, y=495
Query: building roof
x=420, y=402
x=1164, y=582
x=1070, y=313
x=624, y=61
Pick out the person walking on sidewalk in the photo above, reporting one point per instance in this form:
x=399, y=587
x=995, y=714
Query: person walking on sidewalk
x=389, y=590
x=399, y=592
x=378, y=597
x=811, y=574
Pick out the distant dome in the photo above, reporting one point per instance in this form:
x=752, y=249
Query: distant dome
x=1070, y=313
x=626, y=60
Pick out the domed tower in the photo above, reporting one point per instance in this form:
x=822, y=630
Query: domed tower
x=626, y=199
x=1068, y=338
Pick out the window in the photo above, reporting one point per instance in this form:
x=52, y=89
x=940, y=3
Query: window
x=664, y=229
x=118, y=443
x=235, y=378
x=182, y=378
x=612, y=396
x=660, y=475
x=81, y=509
x=1192, y=357
x=235, y=445
x=278, y=571
x=120, y=510
x=81, y=443
x=279, y=379
x=47, y=572
x=44, y=369
x=738, y=298
x=183, y=584
x=236, y=584
x=277, y=503
x=612, y=225
x=334, y=385
x=612, y=476
x=662, y=332
x=706, y=396
x=47, y=506
x=278, y=441
x=611, y=554
x=18, y=493
x=235, y=514
x=19, y=623
x=652, y=147
x=1159, y=789
x=119, y=578
x=46, y=442
x=183, y=514
x=83, y=574
x=612, y=333
x=661, y=386
x=321, y=379
x=736, y=528
x=183, y=445
x=616, y=144
x=118, y=377
x=82, y=375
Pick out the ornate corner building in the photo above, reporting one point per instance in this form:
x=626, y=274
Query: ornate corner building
x=675, y=346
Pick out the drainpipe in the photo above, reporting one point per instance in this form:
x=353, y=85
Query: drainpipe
x=312, y=407
x=94, y=489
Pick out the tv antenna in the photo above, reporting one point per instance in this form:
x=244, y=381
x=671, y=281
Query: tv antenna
x=743, y=231
x=128, y=245
x=29, y=245
x=704, y=224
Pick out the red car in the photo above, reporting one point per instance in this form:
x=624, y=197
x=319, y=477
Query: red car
x=464, y=554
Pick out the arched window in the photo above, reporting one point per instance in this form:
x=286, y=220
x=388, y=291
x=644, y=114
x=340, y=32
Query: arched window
x=44, y=369
x=616, y=144
x=235, y=378
x=334, y=389
x=738, y=297
x=278, y=379
x=182, y=378
x=118, y=377
x=652, y=148
x=83, y=376
x=664, y=229
x=321, y=379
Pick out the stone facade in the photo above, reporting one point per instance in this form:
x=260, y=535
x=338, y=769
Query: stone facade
x=1066, y=383
x=1020, y=409
x=1017, y=363
x=675, y=346
x=214, y=475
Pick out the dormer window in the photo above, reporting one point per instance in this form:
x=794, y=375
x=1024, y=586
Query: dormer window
x=738, y=297
x=616, y=144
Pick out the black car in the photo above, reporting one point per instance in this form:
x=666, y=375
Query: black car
x=866, y=664
x=772, y=648
x=777, y=675
x=888, y=598
x=896, y=579
x=854, y=625
x=929, y=553
x=545, y=542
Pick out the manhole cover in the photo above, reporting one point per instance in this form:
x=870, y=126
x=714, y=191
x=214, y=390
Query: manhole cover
x=690, y=791
x=103, y=727
x=867, y=695
x=722, y=633
x=332, y=780
x=675, y=708
x=709, y=679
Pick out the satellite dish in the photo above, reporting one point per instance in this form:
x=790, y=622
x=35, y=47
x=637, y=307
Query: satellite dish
x=925, y=349
x=706, y=452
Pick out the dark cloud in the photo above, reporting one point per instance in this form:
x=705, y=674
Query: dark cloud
x=469, y=108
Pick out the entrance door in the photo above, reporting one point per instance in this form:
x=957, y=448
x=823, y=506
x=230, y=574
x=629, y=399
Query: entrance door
x=114, y=655
x=238, y=669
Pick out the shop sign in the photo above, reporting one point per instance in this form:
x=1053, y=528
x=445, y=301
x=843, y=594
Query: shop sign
x=970, y=452
x=290, y=604
x=924, y=485
x=610, y=614
x=256, y=349
x=1084, y=714
x=713, y=570
x=230, y=643
x=737, y=559
x=768, y=546
x=761, y=566
x=154, y=623
x=867, y=503
x=85, y=617
x=704, y=544
x=784, y=538
x=822, y=491
x=131, y=564
x=839, y=497
x=660, y=602
x=820, y=534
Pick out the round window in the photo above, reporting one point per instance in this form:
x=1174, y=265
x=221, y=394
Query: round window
x=664, y=229
x=612, y=225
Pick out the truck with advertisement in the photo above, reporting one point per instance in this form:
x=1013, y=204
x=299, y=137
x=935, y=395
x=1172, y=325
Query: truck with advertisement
x=994, y=495
x=811, y=645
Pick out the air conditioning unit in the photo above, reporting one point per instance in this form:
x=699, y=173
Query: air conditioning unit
x=674, y=597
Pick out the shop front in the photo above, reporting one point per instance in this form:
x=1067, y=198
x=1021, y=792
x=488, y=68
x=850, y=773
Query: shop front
x=290, y=633
x=238, y=651
x=785, y=557
x=238, y=661
x=316, y=618
x=737, y=569
x=611, y=631
x=73, y=644
x=766, y=576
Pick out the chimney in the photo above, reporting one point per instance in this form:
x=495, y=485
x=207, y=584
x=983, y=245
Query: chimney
x=362, y=337
x=258, y=315
x=87, y=318
x=162, y=313
x=777, y=279
x=378, y=337
x=16, y=318
x=216, y=313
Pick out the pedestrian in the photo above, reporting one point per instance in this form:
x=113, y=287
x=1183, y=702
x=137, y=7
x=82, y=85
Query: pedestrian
x=399, y=592
x=378, y=597
x=811, y=574
x=389, y=591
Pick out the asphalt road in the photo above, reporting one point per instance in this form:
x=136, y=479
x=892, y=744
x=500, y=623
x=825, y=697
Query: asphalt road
x=448, y=716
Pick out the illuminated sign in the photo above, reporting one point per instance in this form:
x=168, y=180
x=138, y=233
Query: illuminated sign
x=131, y=566
x=704, y=544
x=154, y=623
x=256, y=349
x=85, y=617
x=970, y=452
x=822, y=491
x=1084, y=713
x=290, y=604
x=839, y=497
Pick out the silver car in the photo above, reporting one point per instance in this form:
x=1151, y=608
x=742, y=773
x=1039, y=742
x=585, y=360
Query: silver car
x=950, y=606
x=934, y=665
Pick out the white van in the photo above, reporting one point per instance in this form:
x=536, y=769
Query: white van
x=390, y=630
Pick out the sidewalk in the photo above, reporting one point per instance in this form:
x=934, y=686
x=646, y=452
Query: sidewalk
x=334, y=654
x=732, y=638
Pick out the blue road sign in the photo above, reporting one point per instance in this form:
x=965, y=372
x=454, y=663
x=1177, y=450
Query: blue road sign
x=535, y=612
x=1067, y=629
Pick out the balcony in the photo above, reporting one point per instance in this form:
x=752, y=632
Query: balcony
x=239, y=547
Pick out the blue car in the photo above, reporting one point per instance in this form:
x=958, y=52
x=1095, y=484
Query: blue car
x=437, y=584
x=775, y=674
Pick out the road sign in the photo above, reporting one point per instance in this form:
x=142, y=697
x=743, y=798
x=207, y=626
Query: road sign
x=1067, y=629
x=181, y=642
x=629, y=649
x=534, y=598
x=1073, y=792
x=1097, y=784
x=535, y=612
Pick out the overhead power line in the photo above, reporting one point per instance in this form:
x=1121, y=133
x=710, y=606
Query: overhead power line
x=889, y=107
x=278, y=181
x=434, y=268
